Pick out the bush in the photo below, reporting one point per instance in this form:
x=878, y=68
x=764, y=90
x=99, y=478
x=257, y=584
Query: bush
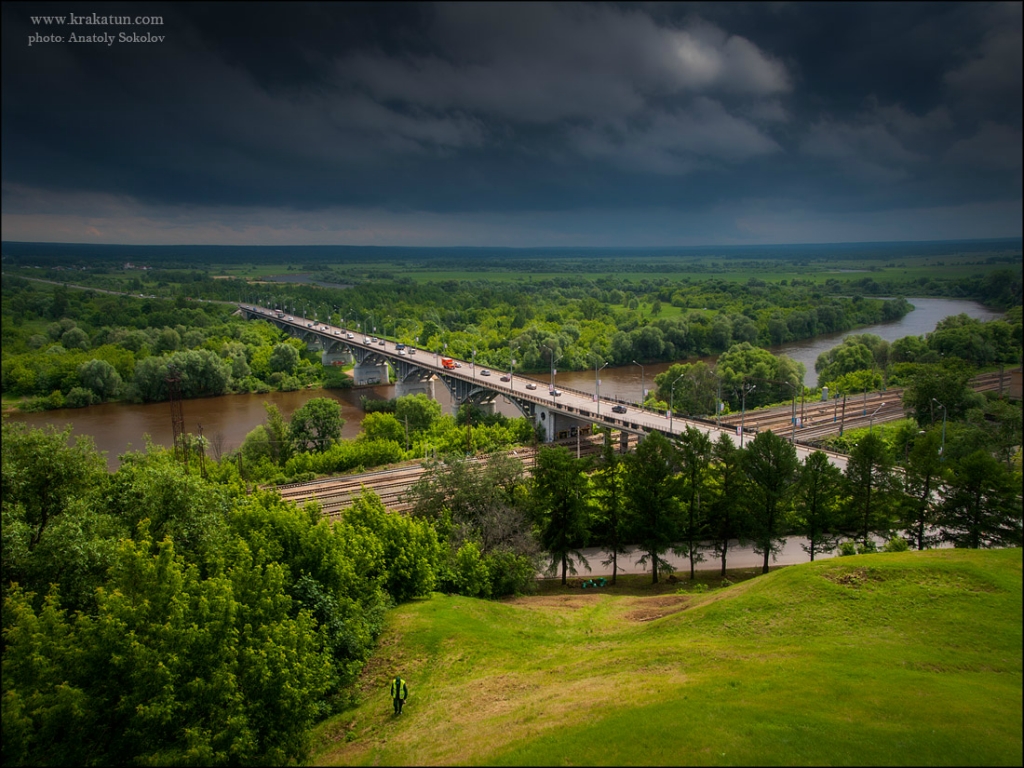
x=511, y=574
x=79, y=397
x=468, y=572
x=847, y=548
x=867, y=548
x=896, y=544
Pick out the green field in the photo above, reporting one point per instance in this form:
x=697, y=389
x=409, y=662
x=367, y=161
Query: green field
x=911, y=658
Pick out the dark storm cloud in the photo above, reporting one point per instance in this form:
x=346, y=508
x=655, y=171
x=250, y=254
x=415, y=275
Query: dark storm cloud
x=494, y=110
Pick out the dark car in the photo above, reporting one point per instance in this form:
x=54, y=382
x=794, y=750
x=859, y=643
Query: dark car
x=618, y=409
x=506, y=378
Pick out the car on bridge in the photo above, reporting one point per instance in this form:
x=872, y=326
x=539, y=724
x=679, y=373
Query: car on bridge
x=555, y=393
x=618, y=409
x=531, y=385
x=506, y=378
x=485, y=372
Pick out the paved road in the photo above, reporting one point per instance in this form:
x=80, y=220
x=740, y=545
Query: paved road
x=738, y=557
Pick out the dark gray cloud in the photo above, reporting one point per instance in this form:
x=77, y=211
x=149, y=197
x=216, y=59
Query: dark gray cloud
x=442, y=120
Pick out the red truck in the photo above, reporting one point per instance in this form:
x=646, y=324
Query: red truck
x=448, y=363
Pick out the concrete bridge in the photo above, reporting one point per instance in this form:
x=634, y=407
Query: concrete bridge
x=562, y=412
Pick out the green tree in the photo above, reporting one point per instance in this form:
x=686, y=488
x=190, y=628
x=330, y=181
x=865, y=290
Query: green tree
x=695, y=390
x=769, y=464
x=935, y=386
x=817, y=503
x=922, y=478
x=561, y=499
x=75, y=338
x=982, y=506
x=101, y=377
x=726, y=518
x=46, y=476
x=316, y=425
x=695, y=456
x=284, y=358
x=652, y=500
x=870, y=489
x=419, y=412
x=279, y=439
x=382, y=426
x=609, y=495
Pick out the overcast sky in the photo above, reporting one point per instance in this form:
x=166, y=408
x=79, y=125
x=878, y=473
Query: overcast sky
x=515, y=125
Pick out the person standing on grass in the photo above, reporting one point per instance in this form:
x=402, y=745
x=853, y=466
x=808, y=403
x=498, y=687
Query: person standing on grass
x=399, y=693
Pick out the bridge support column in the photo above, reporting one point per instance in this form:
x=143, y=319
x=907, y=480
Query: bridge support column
x=340, y=357
x=403, y=388
x=366, y=374
x=623, y=442
x=558, y=425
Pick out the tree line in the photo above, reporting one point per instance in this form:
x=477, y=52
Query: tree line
x=695, y=497
x=69, y=348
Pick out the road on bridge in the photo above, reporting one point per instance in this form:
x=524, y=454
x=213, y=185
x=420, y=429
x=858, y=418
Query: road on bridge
x=582, y=406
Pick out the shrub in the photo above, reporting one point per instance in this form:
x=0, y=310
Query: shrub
x=79, y=397
x=510, y=574
x=469, y=573
x=847, y=548
x=896, y=544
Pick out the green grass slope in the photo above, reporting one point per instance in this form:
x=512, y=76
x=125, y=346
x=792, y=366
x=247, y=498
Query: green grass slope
x=910, y=658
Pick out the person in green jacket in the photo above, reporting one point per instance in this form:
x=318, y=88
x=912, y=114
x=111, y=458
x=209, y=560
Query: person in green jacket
x=399, y=693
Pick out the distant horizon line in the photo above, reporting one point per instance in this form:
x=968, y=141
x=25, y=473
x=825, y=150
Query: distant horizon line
x=1012, y=238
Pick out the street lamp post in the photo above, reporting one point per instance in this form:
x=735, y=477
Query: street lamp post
x=553, y=361
x=743, y=410
x=672, y=400
x=871, y=421
x=942, y=447
x=643, y=388
x=511, y=364
x=597, y=385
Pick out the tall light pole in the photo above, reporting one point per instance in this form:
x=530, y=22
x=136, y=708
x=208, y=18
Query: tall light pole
x=511, y=363
x=643, y=388
x=597, y=385
x=743, y=410
x=871, y=421
x=942, y=447
x=672, y=400
x=553, y=361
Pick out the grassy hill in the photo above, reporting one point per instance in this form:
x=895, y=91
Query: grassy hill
x=910, y=658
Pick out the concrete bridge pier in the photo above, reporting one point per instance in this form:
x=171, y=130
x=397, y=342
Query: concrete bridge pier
x=337, y=357
x=367, y=374
x=558, y=425
x=414, y=387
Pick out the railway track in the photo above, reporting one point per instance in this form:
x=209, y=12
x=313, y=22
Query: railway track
x=393, y=485
x=820, y=419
